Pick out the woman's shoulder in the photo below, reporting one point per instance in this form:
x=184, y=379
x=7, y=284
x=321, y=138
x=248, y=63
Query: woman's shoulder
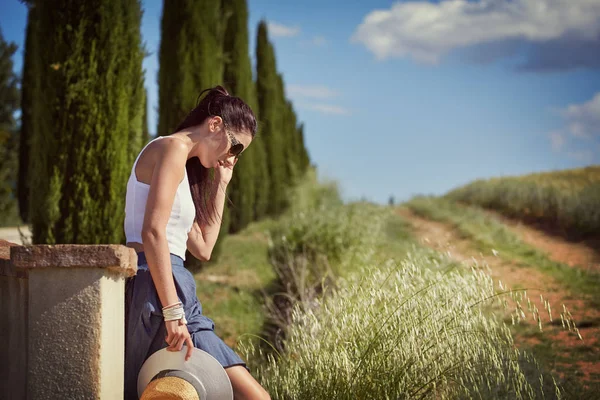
x=171, y=146
x=167, y=152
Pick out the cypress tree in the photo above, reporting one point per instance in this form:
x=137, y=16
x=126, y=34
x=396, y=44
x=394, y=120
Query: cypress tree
x=29, y=100
x=190, y=56
x=9, y=139
x=87, y=117
x=145, y=131
x=303, y=158
x=237, y=75
x=191, y=59
x=285, y=134
x=291, y=147
x=269, y=107
x=261, y=175
x=250, y=172
x=298, y=152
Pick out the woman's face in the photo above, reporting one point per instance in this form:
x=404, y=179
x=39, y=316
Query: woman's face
x=224, y=144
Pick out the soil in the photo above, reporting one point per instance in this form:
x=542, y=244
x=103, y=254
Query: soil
x=575, y=253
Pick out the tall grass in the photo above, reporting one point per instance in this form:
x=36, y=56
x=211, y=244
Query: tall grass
x=567, y=200
x=354, y=324
x=310, y=249
x=417, y=329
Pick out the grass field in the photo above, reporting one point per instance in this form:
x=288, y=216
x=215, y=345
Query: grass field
x=566, y=201
x=391, y=319
x=406, y=323
x=232, y=289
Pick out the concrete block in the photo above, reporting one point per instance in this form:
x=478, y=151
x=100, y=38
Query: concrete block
x=13, y=328
x=75, y=319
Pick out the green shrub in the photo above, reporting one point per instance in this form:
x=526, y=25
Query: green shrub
x=310, y=249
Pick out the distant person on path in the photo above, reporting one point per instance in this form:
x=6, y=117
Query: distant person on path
x=172, y=205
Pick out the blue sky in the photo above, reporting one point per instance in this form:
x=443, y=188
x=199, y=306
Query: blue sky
x=417, y=97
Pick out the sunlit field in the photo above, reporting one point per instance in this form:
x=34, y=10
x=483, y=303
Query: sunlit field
x=369, y=313
x=566, y=200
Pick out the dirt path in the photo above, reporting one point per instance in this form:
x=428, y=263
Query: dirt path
x=445, y=239
x=583, y=254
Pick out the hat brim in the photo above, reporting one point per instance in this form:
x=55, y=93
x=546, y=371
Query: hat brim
x=209, y=372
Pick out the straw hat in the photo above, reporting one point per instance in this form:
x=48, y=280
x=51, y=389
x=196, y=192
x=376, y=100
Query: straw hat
x=166, y=375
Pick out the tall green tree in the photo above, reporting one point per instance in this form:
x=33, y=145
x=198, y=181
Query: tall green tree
x=249, y=183
x=85, y=124
x=190, y=57
x=297, y=154
x=9, y=138
x=303, y=157
x=287, y=126
x=190, y=60
x=29, y=101
x=261, y=174
x=146, y=133
x=292, y=151
x=270, y=114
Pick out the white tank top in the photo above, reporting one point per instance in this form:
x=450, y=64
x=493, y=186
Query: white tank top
x=180, y=221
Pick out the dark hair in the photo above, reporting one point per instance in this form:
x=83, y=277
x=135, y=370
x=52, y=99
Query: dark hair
x=237, y=116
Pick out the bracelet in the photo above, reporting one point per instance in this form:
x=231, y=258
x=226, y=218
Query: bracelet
x=175, y=313
x=172, y=305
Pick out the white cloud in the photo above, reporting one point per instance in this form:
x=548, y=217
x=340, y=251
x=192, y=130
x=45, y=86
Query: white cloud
x=319, y=41
x=315, y=41
x=279, y=30
x=319, y=92
x=314, y=91
x=582, y=125
x=557, y=140
x=426, y=31
x=329, y=109
x=584, y=119
x=585, y=156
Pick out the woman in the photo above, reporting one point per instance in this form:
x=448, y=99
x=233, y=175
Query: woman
x=172, y=204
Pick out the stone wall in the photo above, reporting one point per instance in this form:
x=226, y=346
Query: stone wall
x=13, y=328
x=63, y=314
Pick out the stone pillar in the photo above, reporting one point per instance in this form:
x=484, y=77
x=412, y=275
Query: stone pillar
x=75, y=319
x=13, y=326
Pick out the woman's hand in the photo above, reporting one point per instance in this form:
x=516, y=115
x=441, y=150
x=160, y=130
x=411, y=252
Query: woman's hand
x=225, y=169
x=177, y=336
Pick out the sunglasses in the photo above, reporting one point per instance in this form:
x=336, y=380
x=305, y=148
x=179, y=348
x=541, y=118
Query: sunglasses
x=236, y=146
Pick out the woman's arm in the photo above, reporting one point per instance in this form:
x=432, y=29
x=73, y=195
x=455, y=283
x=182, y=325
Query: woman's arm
x=201, y=240
x=168, y=172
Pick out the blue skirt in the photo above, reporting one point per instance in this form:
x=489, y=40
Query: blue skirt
x=145, y=330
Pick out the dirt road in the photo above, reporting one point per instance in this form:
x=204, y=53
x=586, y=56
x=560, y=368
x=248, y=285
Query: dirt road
x=583, y=361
